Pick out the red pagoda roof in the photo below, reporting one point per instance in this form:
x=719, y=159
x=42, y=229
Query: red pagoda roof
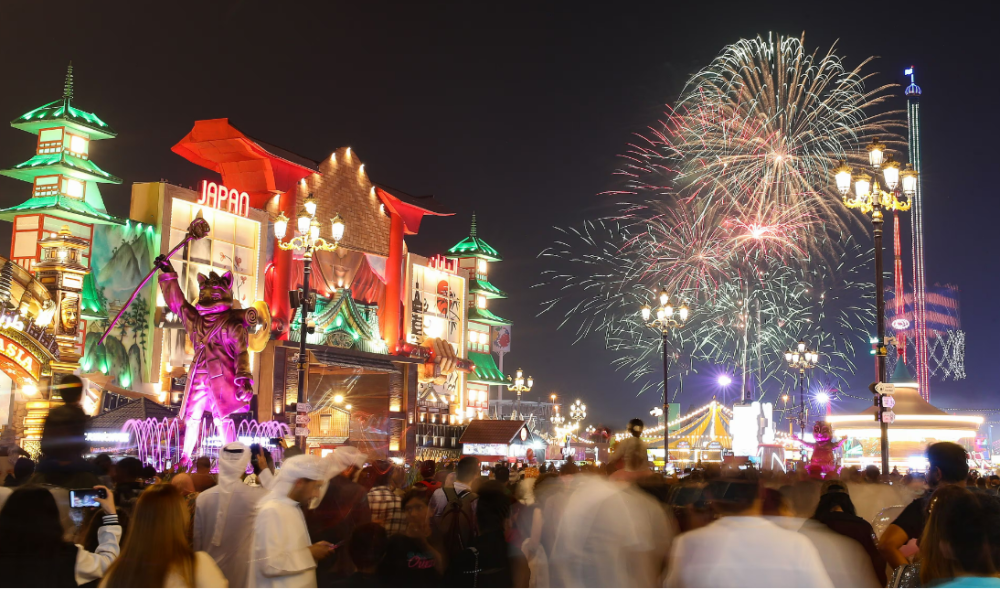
x=245, y=163
x=411, y=208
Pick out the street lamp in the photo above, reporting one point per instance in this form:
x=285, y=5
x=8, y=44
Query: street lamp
x=800, y=357
x=578, y=411
x=665, y=318
x=308, y=241
x=520, y=386
x=869, y=198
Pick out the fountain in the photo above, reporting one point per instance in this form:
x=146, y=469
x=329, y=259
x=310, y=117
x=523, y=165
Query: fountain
x=157, y=441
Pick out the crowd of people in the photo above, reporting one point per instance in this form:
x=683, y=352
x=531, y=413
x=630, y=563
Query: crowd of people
x=351, y=520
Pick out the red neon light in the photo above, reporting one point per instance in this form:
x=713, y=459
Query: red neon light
x=219, y=197
x=443, y=264
x=900, y=295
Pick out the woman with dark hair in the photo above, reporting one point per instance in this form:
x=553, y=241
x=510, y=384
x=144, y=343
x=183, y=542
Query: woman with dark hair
x=156, y=552
x=955, y=546
x=836, y=510
x=33, y=552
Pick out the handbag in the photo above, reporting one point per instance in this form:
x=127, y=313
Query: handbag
x=907, y=575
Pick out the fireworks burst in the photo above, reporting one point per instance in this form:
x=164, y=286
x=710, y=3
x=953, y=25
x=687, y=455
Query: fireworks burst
x=729, y=205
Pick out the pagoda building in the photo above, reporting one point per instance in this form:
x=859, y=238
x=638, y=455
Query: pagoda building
x=474, y=257
x=64, y=179
x=55, y=227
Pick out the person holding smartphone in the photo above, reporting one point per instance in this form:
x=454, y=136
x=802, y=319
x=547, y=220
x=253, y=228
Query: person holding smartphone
x=32, y=550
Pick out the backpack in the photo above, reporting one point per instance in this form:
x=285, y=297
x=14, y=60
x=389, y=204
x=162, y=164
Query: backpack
x=458, y=523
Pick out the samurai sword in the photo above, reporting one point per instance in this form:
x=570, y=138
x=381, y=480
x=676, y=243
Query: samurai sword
x=199, y=228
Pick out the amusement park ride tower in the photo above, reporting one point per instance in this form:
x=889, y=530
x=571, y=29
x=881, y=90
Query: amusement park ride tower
x=919, y=280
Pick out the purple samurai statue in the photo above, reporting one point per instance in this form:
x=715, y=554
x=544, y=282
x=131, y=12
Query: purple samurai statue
x=219, y=379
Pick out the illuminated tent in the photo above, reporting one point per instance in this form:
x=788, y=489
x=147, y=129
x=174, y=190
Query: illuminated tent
x=700, y=436
x=917, y=424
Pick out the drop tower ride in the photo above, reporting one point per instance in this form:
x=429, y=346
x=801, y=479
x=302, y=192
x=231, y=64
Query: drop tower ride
x=919, y=281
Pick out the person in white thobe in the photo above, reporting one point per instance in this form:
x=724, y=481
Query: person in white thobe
x=609, y=535
x=282, y=554
x=224, y=515
x=745, y=551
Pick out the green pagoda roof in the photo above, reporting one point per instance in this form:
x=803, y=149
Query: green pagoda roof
x=486, y=370
x=91, y=308
x=49, y=164
x=68, y=208
x=483, y=287
x=484, y=316
x=472, y=246
x=62, y=113
x=342, y=322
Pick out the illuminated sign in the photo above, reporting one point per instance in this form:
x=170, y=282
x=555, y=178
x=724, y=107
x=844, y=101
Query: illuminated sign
x=900, y=324
x=219, y=197
x=20, y=356
x=485, y=449
x=437, y=306
x=11, y=319
x=443, y=264
x=120, y=437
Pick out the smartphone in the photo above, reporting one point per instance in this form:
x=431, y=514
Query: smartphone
x=86, y=497
x=485, y=472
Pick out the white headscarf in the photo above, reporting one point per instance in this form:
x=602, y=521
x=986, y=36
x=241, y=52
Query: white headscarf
x=233, y=461
x=303, y=466
x=342, y=459
x=337, y=462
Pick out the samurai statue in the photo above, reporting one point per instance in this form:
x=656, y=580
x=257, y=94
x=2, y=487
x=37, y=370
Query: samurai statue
x=219, y=378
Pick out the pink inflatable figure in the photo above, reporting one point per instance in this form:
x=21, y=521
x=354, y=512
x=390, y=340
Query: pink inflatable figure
x=219, y=378
x=823, y=461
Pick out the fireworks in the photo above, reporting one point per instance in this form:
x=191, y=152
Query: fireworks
x=729, y=204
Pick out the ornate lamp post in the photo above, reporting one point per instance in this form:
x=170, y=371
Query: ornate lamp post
x=578, y=411
x=309, y=241
x=801, y=358
x=557, y=420
x=665, y=318
x=520, y=386
x=869, y=198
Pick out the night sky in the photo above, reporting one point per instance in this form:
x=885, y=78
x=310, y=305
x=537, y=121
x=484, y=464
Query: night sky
x=514, y=110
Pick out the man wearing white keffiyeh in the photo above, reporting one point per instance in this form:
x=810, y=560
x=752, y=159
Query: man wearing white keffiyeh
x=282, y=553
x=224, y=514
